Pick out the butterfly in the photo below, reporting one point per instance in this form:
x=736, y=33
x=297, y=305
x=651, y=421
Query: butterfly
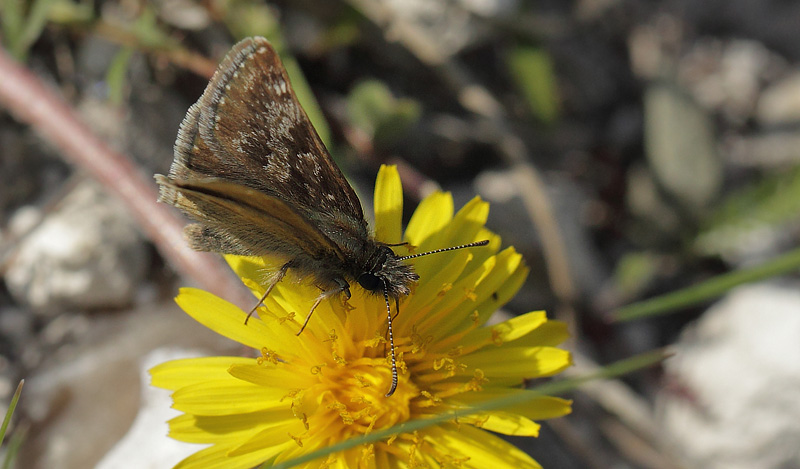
x=253, y=174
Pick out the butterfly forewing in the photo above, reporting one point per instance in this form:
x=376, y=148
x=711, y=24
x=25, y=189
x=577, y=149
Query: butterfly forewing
x=252, y=130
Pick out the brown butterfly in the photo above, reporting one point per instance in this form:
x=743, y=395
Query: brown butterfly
x=252, y=171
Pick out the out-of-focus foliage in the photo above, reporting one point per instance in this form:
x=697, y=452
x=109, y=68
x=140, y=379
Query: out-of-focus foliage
x=769, y=204
x=679, y=145
x=373, y=109
x=532, y=70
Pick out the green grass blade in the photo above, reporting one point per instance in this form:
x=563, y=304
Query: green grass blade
x=709, y=289
x=14, y=444
x=12, y=21
x=532, y=70
x=34, y=24
x=619, y=368
x=10, y=411
x=116, y=76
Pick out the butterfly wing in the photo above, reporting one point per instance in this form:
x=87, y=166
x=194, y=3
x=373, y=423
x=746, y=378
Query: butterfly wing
x=235, y=219
x=249, y=128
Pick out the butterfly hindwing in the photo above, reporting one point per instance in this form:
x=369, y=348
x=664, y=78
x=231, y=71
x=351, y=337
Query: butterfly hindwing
x=264, y=224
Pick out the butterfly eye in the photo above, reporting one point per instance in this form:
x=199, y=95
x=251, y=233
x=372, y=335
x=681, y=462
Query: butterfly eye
x=369, y=281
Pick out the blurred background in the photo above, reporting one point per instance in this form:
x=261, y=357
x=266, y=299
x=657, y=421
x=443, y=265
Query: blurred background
x=628, y=149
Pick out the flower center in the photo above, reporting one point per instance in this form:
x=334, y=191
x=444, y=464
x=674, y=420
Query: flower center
x=356, y=392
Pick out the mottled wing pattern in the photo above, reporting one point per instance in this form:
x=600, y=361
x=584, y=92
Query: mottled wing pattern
x=251, y=129
x=250, y=167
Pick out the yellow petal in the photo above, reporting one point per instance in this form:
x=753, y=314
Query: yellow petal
x=176, y=374
x=502, y=294
x=484, y=252
x=475, y=290
x=388, y=205
x=268, y=436
x=538, y=407
x=430, y=291
x=468, y=222
x=228, y=320
x=454, y=312
x=482, y=312
x=551, y=334
x=216, y=457
x=227, y=397
x=522, y=362
x=506, y=331
x=223, y=429
x=441, y=314
x=506, y=423
x=251, y=268
x=289, y=378
x=430, y=218
x=464, y=228
x=483, y=449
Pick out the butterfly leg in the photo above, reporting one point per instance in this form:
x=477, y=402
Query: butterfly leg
x=341, y=287
x=274, y=281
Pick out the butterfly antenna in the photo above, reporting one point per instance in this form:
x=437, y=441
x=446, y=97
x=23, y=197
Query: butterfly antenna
x=470, y=245
x=391, y=341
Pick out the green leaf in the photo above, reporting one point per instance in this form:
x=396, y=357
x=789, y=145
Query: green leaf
x=21, y=30
x=116, y=74
x=772, y=202
x=12, y=24
x=149, y=33
x=532, y=70
x=680, y=146
x=373, y=109
x=35, y=23
x=634, y=271
x=67, y=12
x=245, y=18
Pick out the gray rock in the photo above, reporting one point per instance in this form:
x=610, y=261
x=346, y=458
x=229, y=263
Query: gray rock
x=731, y=400
x=780, y=103
x=86, y=396
x=86, y=255
x=451, y=26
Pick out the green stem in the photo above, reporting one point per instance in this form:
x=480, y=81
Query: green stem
x=712, y=288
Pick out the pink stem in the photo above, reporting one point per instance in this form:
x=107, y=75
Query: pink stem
x=29, y=101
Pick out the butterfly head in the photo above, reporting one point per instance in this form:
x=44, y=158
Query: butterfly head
x=388, y=272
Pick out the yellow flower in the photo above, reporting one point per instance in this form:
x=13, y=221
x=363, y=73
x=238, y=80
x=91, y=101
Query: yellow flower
x=328, y=384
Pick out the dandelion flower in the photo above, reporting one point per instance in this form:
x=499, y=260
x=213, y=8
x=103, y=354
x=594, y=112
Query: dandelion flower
x=329, y=383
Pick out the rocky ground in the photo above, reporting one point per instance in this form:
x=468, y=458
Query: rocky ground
x=628, y=149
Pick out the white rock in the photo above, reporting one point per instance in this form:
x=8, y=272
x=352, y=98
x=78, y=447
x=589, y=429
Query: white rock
x=780, y=103
x=82, y=400
x=88, y=254
x=733, y=402
x=449, y=26
x=146, y=445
